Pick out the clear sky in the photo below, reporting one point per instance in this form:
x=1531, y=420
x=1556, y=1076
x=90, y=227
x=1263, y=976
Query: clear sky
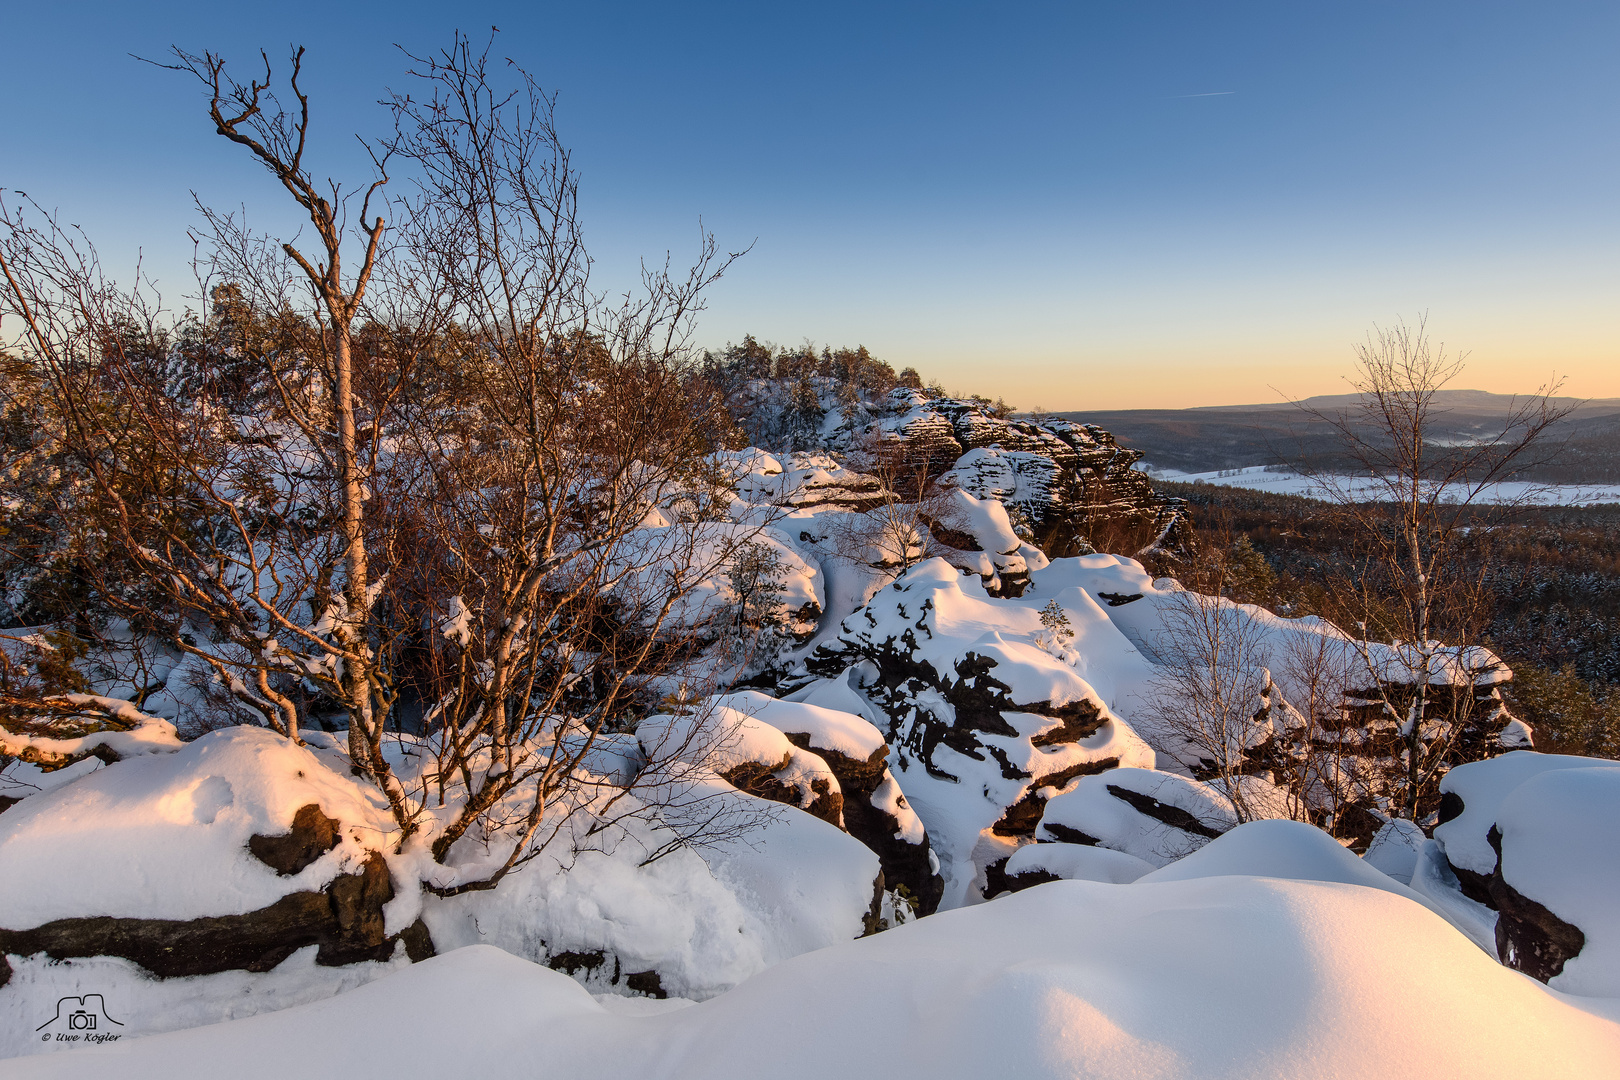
x=1076, y=205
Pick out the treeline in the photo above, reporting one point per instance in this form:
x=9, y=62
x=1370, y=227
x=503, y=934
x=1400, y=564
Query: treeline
x=855, y=368
x=1551, y=576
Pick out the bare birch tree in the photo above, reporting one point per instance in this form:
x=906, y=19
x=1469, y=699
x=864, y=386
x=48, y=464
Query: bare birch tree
x=1422, y=509
x=474, y=493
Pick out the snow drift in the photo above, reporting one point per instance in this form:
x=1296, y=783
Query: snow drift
x=1223, y=977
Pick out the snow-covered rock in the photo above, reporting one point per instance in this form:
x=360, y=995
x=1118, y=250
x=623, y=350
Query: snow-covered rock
x=1034, y=864
x=1471, y=794
x=1528, y=843
x=166, y=836
x=750, y=755
x=1558, y=884
x=232, y=854
x=875, y=811
x=984, y=720
x=1157, y=817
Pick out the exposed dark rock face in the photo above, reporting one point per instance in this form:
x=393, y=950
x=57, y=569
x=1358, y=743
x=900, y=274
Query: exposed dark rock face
x=997, y=881
x=1529, y=938
x=1173, y=816
x=904, y=864
x=761, y=780
x=345, y=921
x=1067, y=834
x=646, y=983
x=313, y=835
x=569, y=962
x=1451, y=807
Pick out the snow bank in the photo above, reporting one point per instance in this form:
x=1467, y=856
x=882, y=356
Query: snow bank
x=701, y=920
x=1395, y=848
x=1282, y=849
x=1210, y=979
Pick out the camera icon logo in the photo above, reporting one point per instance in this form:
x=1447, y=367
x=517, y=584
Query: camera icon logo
x=86, y=1014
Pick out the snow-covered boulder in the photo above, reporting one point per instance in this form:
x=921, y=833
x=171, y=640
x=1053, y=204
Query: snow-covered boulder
x=1529, y=841
x=748, y=754
x=874, y=809
x=1470, y=796
x=1035, y=864
x=1557, y=885
x=230, y=854
x=1157, y=817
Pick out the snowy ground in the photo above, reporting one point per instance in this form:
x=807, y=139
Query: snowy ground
x=1209, y=977
x=1260, y=478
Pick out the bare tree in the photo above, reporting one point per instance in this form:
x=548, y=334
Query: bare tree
x=1322, y=768
x=914, y=518
x=1213, y=692
x=1418, y=506
x=473, y=495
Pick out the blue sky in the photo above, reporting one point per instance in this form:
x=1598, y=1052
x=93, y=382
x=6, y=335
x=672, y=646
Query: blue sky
x=1072, y=205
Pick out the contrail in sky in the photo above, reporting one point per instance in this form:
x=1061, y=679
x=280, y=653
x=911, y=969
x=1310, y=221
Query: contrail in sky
x=1216, y=93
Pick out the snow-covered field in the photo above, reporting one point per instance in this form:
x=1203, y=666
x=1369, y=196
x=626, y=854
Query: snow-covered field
x=1261, y=478
x=1211, y=976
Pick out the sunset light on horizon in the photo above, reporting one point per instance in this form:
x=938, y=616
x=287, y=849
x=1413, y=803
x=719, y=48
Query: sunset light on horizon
x=1070, y=206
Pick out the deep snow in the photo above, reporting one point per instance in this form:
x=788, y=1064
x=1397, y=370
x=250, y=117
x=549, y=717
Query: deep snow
x=1212, y=978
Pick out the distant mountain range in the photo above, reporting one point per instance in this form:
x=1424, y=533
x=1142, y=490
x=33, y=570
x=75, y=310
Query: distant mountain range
x=1235, y=436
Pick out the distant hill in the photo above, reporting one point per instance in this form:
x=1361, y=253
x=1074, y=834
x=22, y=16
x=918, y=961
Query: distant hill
x=1235, y=436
